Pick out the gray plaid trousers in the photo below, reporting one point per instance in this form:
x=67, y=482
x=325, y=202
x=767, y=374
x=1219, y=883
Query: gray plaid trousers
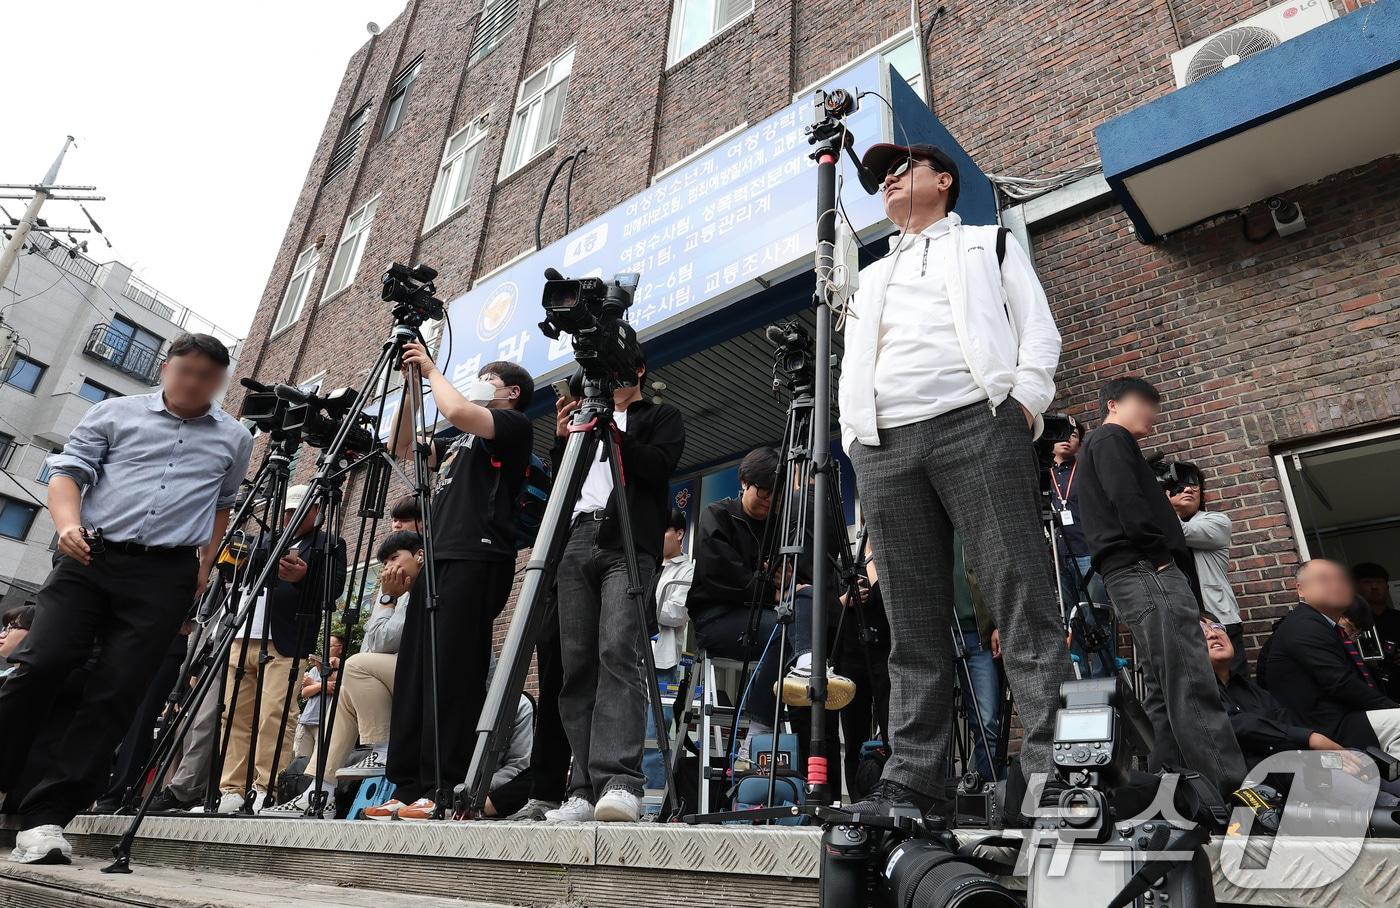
x=973, y=472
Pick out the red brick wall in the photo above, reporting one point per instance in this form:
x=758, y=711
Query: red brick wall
x=1253, y=344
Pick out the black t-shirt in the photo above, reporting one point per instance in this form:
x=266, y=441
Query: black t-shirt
x=474, y=503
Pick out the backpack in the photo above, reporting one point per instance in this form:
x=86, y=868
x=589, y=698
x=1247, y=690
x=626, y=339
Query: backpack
x=750, y=789
x=529, y=504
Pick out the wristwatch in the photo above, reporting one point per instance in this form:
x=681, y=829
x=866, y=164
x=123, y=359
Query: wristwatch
x=386, y=599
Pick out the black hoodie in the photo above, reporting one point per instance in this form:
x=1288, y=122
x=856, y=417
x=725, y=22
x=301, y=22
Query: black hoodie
x=726, y=550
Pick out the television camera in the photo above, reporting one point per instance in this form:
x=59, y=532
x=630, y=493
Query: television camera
x=287, y=412
x=592, y=311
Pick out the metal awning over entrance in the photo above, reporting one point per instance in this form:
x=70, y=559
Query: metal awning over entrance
x=1318, y=104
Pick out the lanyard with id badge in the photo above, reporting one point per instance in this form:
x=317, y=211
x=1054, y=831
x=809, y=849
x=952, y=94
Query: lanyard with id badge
x=1065, y=514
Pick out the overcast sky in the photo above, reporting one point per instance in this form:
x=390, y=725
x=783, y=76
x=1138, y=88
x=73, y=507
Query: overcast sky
x=197, y=121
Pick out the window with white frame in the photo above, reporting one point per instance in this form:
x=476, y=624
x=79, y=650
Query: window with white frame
x=456, y=173
x=539, y=109
x=904, y=57
x=351, y=247
x=695, y=22
x=298, y=288
x=901, y=52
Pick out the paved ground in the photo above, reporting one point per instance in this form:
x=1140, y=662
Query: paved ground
x=82, y=885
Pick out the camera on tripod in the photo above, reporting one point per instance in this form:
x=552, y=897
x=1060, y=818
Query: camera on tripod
x=411, y=290
x=288, y=412
x=792, y=355
x=592, y=311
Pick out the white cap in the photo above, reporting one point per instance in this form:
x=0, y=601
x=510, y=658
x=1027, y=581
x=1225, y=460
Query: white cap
x=296, y=495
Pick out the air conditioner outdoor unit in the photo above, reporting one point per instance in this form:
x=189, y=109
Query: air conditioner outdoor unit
x=1247, y=37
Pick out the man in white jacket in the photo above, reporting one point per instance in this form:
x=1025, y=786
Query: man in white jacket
x=949, y=362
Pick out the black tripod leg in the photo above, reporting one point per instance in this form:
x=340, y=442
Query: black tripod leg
x=494, y=726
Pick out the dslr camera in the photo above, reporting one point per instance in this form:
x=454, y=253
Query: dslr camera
x=592, y=310
x=1092, y=841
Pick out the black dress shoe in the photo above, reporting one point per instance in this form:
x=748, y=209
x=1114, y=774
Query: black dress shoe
x=890, y=798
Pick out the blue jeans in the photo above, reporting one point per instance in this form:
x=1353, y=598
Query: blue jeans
x=652, y=766
x=985, y=691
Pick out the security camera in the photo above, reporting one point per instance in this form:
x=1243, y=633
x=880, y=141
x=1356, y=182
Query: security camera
x=1288, y=217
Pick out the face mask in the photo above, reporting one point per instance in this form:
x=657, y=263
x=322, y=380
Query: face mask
x=482, y=392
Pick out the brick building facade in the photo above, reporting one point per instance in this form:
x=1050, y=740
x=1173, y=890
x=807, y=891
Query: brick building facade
x=1255, y=344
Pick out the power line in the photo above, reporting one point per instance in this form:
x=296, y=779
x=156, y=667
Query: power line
x=21, y=487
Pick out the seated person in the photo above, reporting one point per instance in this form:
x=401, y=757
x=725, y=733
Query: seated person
x=728, y=579
x=1263, y=726
x=367, y=690
x=14, y=627
x=512, y=780
x=1313, y=668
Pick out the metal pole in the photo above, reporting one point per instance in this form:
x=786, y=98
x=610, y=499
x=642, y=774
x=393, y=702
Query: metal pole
x=31, y=214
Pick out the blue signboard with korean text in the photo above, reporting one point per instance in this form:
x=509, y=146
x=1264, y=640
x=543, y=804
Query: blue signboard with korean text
x=712, y=232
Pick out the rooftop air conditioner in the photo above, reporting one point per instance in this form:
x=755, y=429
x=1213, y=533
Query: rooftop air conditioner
x=1248, y=37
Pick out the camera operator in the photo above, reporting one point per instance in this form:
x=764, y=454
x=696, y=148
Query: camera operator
x=158, y=474
x=949, y=362
x=473, y=519
x=604, y=698
x=1138, y=547
x=728, y=579
x=288, y=621
x=1207, y=534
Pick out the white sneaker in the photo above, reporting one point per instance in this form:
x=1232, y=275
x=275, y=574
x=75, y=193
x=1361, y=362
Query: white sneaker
x=618, y=805
x=231, y=802
x=42, y=845
x=575, y=810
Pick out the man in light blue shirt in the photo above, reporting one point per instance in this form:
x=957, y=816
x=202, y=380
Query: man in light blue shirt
x=157, y=475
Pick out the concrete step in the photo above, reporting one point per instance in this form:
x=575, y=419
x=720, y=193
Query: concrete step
x=83, y=885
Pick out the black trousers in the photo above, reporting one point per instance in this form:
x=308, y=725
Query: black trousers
x=129, y=606
x=470, y=596
x=550, y=754
x=140, y=737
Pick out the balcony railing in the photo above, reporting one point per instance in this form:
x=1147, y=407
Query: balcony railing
x=121, y=352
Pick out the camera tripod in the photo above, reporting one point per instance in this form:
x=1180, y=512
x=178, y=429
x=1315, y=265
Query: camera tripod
x=336, y=461
x=1093, y=649
x=591, y=425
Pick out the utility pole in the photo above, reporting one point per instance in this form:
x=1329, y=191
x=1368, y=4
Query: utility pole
x=31, y=214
